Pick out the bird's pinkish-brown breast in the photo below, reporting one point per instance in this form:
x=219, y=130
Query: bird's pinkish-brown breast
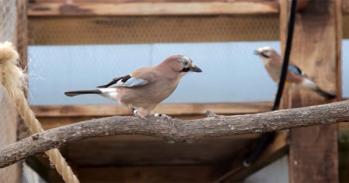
x=149, y=95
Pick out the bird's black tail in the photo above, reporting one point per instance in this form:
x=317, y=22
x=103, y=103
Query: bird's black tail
x=81, y=92
x=307, y=83
x=325, y=94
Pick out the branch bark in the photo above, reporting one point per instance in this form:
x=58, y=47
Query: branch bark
x=174, y=129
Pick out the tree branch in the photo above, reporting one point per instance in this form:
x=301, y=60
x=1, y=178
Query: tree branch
x=175, y=129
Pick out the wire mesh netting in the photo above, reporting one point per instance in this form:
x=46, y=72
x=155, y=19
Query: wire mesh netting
x=7, y=20
x=114, y=30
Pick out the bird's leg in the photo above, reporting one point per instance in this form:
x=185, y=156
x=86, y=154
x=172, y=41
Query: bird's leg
x=140, y=112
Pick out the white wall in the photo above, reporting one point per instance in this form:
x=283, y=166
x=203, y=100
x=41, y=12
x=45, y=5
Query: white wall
x=231, y=71
x=277, y=172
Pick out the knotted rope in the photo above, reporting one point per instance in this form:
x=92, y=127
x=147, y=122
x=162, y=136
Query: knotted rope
x=13, y=79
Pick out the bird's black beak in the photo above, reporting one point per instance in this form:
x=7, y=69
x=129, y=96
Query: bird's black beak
x=195, y=68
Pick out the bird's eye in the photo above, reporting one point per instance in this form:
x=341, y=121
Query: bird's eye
x=185, y=63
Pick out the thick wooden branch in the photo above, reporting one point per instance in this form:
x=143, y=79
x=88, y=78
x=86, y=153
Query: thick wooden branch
x=175, y=129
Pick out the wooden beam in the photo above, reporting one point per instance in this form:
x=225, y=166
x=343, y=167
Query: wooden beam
x=137, y=1
x=154, y=9
x=108, y=30
x=164, y=173
x=22, y=32
x=313, y=154
x=170, y=109
x=345, y=18
x=343, y=147
x=345, y=6
x=136, y=150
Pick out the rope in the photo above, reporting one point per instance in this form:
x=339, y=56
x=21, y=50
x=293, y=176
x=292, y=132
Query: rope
x=266, y=138
x=13, y=80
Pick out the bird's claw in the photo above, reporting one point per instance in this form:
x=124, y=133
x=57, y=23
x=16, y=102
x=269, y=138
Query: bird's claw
x=164, y=116
x=211, y=114
x=139, y=113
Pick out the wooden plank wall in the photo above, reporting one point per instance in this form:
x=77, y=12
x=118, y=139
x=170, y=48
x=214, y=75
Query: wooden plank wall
x=313, y=154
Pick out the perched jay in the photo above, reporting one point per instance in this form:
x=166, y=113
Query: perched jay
x=273, y=62
x=143, y=89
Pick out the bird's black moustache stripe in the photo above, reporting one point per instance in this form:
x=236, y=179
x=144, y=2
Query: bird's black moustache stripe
x=185, y=69
x=264, y=55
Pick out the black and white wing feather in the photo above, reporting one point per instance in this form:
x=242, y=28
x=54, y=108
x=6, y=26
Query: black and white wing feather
x=126, y=82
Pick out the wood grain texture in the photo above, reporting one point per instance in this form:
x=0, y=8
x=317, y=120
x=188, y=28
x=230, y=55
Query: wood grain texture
x=145, y=174
x=154, y=9
x=22, y=32
x=145, y=1
x=8, y=135
x=137, y=150
x=169, y=109
x=345, y=5
x=117, y=30
x=313, y=150
x=175, y=130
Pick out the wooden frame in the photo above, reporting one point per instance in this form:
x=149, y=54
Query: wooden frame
x=88, y=15
x=305, y=165
x=170, y=109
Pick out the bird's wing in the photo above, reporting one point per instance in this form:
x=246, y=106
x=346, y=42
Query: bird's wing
x=131, y=82
x=115, y=80
x=127, y=81
x=137, y=78
x=295, y=70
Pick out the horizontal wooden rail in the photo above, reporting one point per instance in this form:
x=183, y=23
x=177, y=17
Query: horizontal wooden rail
x=170, y=109
x=158, y=8
x=154, y=9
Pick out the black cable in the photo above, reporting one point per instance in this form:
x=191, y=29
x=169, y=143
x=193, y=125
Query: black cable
x=267, y=138
x=287, y=53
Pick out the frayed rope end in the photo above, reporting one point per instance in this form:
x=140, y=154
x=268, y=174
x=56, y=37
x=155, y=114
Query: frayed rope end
x=12, y=76
x=8, y=53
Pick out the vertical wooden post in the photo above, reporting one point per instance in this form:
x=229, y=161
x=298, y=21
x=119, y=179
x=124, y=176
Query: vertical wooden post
x=313, y=152
x=22, y=31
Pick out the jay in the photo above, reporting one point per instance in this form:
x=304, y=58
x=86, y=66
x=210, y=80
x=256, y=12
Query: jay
x=273, y=62
x=143, y=89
